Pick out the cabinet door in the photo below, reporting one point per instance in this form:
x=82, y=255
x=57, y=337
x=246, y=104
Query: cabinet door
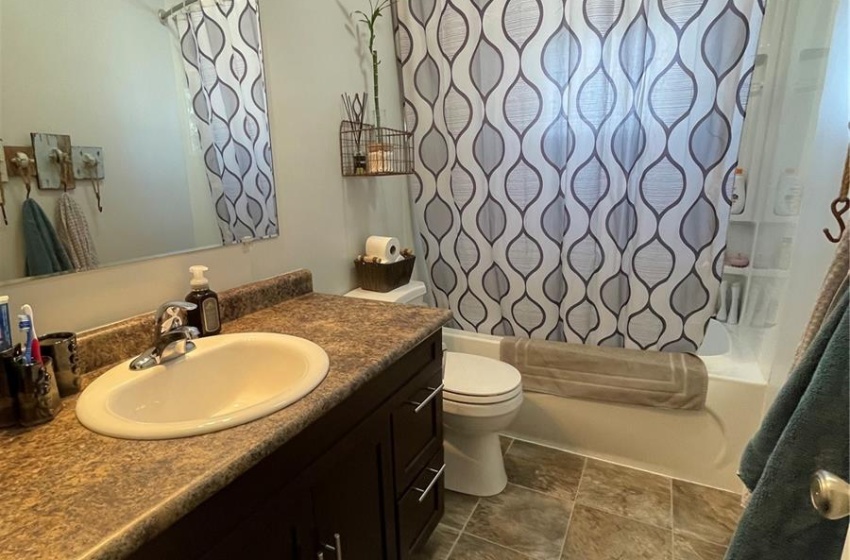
x=352, y=498
x=275, y=532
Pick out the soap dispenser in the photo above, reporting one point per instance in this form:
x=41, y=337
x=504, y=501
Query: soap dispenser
x=205, y=317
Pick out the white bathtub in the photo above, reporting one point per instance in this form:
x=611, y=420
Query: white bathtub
x=702, y=447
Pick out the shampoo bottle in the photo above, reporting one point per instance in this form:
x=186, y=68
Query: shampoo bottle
x=206, y=317
x=739, y=192
x=789, y=194
x=723, y=309
x=735, y=305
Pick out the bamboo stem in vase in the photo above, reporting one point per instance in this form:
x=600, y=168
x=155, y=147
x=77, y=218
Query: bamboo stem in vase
x=376, y=87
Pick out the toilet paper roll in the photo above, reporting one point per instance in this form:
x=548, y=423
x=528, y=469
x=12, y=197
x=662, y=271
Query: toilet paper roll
x=388, y=249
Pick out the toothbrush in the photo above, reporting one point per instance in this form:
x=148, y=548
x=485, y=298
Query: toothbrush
x=33, y=345
x=25, y=325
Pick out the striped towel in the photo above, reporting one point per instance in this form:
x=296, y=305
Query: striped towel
x=73, y=230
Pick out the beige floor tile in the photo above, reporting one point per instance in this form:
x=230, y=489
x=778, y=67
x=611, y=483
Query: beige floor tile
x=635, y=494
x=598, y=535
x=689, y=548
x=523, y=520
x=458, y=509
x=705, y=513
x=439, y=545
x=547, y=470
x=473, y=548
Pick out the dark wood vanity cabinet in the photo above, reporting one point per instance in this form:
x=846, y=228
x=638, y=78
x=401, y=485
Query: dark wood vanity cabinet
x=364, y=482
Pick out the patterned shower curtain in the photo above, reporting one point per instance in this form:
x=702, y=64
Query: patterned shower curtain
x=575, y=159
x=223, y=61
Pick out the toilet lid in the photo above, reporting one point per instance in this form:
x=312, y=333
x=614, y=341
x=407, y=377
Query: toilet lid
x=491, y=399
x=483, y=379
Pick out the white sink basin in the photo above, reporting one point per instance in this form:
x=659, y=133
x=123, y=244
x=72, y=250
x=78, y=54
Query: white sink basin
x=226, y=381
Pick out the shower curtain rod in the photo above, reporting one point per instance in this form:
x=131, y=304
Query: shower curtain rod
x=165, y=14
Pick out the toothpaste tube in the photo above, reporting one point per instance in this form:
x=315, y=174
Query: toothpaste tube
x=5, y=325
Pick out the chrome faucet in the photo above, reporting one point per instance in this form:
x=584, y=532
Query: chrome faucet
x=175, y=341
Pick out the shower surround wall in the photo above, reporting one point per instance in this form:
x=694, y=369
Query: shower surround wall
x=575, y=160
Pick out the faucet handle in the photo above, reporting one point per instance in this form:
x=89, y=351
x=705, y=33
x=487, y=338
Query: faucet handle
x=160, y=317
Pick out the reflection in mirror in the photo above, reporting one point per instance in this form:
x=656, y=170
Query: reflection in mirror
x=166, y=111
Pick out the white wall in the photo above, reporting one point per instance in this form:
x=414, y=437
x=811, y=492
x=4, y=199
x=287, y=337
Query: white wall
x=103, y=72
x=310, y=60
x=821, y=174
x=1, y=67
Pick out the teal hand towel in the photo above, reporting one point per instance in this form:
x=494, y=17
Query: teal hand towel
x=805, y=430
x=44, y=252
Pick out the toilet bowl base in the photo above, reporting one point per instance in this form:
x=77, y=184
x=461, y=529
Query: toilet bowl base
x=474, y=463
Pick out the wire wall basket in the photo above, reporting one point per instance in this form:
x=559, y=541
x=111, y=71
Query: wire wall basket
x=367, y=151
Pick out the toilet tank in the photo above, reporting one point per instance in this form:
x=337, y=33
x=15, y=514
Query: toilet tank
x=412, y=293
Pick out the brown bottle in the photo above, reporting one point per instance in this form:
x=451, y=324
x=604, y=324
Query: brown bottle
x=206, y=317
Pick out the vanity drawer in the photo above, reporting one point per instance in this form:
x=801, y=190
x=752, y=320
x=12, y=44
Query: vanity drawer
x=417, y=424
x=421, y=507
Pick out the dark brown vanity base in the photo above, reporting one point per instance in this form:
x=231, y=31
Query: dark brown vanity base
x=368, y=472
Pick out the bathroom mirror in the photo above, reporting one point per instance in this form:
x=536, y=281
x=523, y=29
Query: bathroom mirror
x=168, y=126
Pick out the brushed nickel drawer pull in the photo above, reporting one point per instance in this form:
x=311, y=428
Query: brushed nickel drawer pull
x=337, y=548
x=427, y=490
x=435, y=391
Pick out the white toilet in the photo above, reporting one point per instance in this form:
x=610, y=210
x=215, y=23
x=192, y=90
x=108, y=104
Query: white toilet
x=481, y=397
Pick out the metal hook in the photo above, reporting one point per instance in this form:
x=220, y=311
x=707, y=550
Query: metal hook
x=96, y=185
x=25, y=169
x=3, y=204
x=839, y=207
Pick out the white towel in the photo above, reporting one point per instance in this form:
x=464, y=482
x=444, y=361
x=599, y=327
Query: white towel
x=73, y=230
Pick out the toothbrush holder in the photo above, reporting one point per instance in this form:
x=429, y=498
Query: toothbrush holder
x=38, y=394
x=8, y=391
x=61, y=348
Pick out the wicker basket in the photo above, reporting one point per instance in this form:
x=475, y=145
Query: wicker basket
x=378, y=277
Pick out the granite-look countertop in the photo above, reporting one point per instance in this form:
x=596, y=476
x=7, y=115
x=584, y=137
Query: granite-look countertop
x=68, y=493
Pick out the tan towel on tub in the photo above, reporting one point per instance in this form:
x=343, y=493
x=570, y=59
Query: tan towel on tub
x=637, y=377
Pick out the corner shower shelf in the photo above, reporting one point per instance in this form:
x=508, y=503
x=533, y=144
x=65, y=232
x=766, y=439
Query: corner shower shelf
x=755, y=272
x=774, y=219
x=745, y=216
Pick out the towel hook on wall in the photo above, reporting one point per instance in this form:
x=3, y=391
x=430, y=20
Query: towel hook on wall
x=840, y=205
x=3, y=204
x=25, y=166
x=90, y=163
x=66, y=171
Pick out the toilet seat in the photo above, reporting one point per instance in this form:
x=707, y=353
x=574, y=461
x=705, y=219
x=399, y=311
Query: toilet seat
x=476, y=380
x=491, y=410
x=475, y=399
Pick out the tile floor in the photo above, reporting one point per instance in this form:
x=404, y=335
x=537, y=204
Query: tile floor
x=560, y=506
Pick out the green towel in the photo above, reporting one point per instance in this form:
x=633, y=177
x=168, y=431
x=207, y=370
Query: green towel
x=805, y=430
x=44, y=252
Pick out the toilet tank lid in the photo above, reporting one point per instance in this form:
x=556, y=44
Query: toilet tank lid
x=403, y=294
